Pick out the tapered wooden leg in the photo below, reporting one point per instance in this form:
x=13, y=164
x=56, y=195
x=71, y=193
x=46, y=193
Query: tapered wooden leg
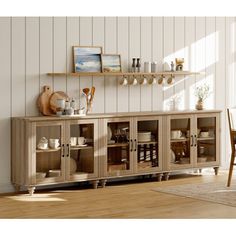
x=159, y=177
x=103, y=183
x=17, y=188
x=231, y=169
x=166, y=176
x=199, y=171
x=95, y=184
x=216, y=169
x=31, y=190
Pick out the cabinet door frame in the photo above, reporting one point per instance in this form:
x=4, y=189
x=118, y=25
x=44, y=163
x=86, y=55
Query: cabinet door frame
x=160, y=143
x=88, y=176
x=217, y=161
x=168, y=165
x=103, y=169
x=32, y=155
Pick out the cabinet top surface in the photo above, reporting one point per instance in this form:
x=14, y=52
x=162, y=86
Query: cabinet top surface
x=116, y=115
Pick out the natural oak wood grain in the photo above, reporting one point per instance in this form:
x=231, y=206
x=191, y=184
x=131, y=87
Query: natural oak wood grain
x=134, y=199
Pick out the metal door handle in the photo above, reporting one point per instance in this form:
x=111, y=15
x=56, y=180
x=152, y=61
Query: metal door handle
x=135, y=145
x=192, y=140
x=68, y=150
x=63, y=150
x=131, y=145
x=195, y=140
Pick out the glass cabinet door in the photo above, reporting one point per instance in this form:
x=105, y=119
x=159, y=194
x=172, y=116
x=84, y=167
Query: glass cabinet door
x=119, y=147
x=181, y=141
x=206, y=140
x=82, y=156
x=49, y=152
x=147, y=145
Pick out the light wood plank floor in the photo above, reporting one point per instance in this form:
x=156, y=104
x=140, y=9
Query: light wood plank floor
x=134, y=199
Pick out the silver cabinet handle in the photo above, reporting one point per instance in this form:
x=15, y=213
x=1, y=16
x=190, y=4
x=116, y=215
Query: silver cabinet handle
x=68, y=150
x=131, y=145
x=192, y=140
x=63, y=150
x=135, y=145
x=195, y=136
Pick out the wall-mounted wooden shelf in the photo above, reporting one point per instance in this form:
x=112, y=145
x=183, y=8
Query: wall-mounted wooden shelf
x=174, y=73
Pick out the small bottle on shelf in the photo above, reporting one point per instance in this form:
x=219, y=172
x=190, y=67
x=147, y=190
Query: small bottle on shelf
x=133, y=65
x=138, y=65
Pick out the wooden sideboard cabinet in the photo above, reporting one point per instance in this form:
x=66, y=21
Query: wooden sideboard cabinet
x=116, y=145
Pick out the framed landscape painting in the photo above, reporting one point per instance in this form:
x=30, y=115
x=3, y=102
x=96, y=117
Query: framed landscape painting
x=87, y=59
x=111, y=63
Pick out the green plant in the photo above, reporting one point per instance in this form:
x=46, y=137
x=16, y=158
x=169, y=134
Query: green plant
x=202, y=92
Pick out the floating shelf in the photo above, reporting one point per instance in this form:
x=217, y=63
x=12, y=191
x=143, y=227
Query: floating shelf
x=174, y=73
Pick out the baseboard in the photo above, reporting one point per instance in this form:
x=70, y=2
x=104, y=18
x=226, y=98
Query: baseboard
x=6, y=188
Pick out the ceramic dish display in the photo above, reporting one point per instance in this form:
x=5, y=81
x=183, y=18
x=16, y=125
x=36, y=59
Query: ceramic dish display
x=144, y=136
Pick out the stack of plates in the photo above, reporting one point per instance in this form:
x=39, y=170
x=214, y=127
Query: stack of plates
x=144, y=136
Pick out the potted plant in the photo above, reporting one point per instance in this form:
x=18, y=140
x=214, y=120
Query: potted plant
x=201, y=92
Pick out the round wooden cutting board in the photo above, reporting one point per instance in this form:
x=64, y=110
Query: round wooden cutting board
x=54, y=97
x=43, y=101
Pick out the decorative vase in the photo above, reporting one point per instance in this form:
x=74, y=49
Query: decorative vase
x=199, y=105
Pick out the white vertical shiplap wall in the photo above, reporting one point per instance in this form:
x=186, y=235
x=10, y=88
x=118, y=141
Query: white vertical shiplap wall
x=33, y=46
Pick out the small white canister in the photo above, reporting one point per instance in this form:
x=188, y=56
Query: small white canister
x=154, y=67
x=147, y=66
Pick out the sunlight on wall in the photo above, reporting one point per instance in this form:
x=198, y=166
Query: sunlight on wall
x=200, y=56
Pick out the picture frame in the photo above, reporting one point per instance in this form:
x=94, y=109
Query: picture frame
x=111, y=63
x=87, y=59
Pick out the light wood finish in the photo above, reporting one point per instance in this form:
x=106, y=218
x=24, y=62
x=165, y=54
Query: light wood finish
x=93, y=159
x=167, y=73
x=232, y=131
x=119, y=200
x=192, y=143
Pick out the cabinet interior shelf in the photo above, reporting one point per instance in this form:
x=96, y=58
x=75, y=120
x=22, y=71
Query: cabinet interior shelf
x=150, y=142
x=80, y=147
x=179, y=140
x=205, y=139
x=47, y=150
x=118, y=145
x=175, y=73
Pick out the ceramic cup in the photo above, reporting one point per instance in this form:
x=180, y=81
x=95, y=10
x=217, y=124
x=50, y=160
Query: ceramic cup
x=81, y=140
x=175, y=134
x=53, y=143
x=73, y=141
x=123, y=81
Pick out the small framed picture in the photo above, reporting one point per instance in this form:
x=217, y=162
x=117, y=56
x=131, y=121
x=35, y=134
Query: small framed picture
x=111, y=63
x=87, y=59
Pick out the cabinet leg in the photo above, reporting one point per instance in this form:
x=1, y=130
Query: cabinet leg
x=17, y=188
x=216, y=169
x=199, y=171
x=95, y=184
x=31, y=190
x=166, y=176
x=159, y=177
x=103, y=183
